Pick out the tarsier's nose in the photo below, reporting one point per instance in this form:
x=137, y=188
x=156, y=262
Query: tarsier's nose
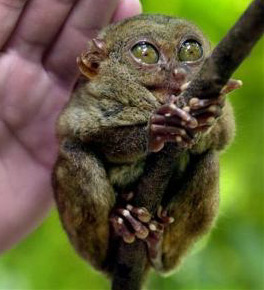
x=179, y=75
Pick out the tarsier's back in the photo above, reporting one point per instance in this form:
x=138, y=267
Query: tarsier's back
x=125, y=108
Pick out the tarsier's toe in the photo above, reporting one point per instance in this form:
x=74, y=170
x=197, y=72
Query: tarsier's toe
x=158, y=224
x=163, y=216
x=171, y=110
x=121, y=229
x=141, y=213
x=231, y=85
x=130, y=223
x=206, y=111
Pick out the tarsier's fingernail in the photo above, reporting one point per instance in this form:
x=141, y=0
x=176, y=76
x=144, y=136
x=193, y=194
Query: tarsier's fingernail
x=117, y=223
x=130, y=195
x=171, y=220
x=129, y=239
x=143, y=233
x=193, y=102
x=182, y=132
x=212, y=109
x=129, y=207
x=185, y=86
x=210, y=121
x=152, y=227
x=193, y=123
x=239, y=83
x=178, y=139
x=230, y=86
x=125, y=213
x=159, y=211
x=183, y=123
x=143, y=215
x=187, y=109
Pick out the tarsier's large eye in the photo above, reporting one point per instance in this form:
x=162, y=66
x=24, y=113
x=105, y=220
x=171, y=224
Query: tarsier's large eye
x=190, y=50
x=145, y=52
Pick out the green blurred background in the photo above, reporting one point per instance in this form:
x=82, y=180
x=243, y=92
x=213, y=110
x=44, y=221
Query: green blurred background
x=232, y=257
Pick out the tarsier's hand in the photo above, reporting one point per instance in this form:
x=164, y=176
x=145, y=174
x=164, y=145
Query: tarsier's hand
x=172, y=124
x=169, y=124
x=207, y=111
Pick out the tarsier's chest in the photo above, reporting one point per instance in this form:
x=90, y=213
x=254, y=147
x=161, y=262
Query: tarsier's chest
x=125, y=176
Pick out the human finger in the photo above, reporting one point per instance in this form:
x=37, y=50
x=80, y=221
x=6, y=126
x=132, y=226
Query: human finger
x=85, y=21
x=63, y=62
x=39, y=25
x=10, y=11
x=127, y=8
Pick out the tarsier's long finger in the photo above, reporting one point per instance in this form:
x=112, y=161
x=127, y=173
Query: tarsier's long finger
x=182, y=141
x=140, y=230
x=155, y=226
x=197, y=104
x=121, y=229
x=156, y=144
x=169, y=121
x=214, y=110
x=231, y=85
x=201, y=128
x=165, y=130
x=141, y=213
x=127, y=196
x=163, y=216
x=205, y=120
x=171, y=110
x=154, y=244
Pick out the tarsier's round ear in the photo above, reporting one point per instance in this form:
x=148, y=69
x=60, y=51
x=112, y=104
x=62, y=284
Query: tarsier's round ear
x=89, y=61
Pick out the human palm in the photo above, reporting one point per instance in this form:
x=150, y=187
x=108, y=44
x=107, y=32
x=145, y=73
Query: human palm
x=39, y=42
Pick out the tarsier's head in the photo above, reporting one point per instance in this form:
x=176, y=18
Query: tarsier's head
x=160, y=52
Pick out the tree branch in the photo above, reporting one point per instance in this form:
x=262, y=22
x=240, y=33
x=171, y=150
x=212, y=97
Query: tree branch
x=226, y=57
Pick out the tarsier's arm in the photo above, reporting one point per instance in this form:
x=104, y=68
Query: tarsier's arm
x=119, y=144
x=192, y=196
x=195, y=204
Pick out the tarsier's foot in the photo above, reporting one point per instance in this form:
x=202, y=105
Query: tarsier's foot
x=167, y=125
x=131, y=223
x=206, y=111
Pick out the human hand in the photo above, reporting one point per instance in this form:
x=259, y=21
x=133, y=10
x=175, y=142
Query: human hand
x=39, y=42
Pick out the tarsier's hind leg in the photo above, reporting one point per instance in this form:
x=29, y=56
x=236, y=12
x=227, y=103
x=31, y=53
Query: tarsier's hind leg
x=194, y=208
x=84, y=198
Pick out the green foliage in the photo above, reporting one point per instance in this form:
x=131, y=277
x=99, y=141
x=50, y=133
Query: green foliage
x=233, y=256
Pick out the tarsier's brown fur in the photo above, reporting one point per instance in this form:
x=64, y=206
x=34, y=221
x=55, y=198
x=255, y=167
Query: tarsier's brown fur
x=103, y=135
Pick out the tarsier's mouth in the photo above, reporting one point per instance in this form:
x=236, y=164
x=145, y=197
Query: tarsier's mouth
x=168, y=88
x=176, y=82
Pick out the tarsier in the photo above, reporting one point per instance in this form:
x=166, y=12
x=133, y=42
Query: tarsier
x=124, y=108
